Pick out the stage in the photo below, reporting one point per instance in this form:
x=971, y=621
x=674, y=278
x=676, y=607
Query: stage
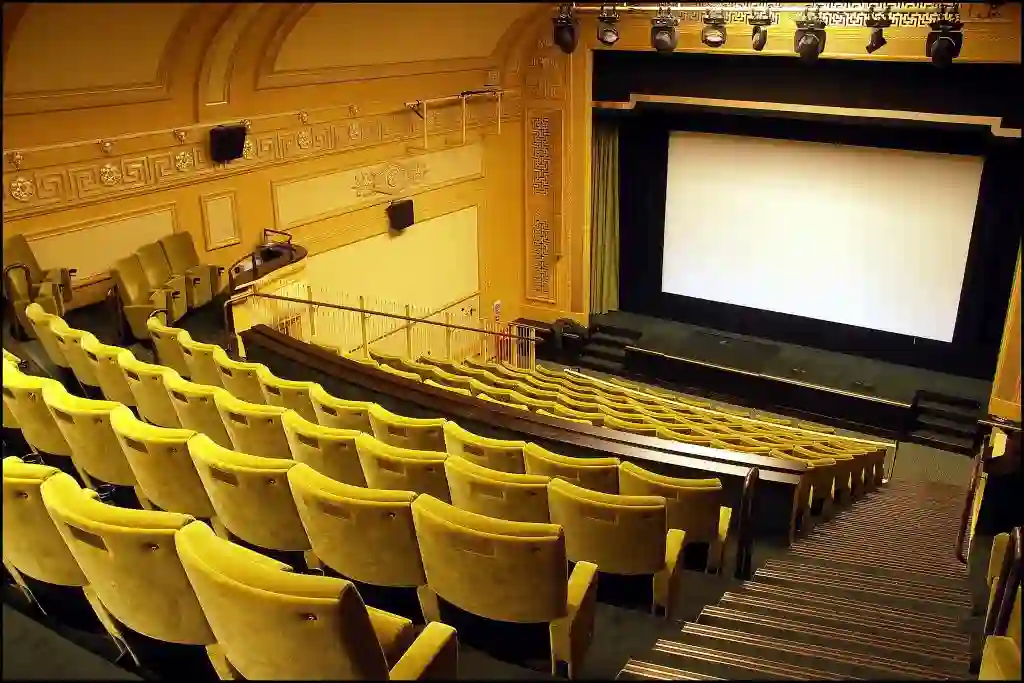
x=895, y=401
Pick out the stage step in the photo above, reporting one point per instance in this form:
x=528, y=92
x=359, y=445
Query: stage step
x=616, y=331
x=948, y=410
x=615, y=354
x=669, y=655
x=601, y=365
x=610, y=339
x=945, y=442
x=933, y=397
x=963, y=427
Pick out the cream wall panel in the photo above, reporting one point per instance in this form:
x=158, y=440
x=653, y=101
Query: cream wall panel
x=94, y=246
x=313, y=198
x=220, y=226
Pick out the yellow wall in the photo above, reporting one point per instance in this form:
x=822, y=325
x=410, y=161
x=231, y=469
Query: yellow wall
x=1005, y=398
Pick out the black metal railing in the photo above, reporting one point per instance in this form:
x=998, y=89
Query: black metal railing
x=745, y=527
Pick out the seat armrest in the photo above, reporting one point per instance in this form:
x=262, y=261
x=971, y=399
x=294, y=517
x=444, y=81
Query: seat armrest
x=433, y=655
x=665, y=580
x=394, y=633
x=724, y=522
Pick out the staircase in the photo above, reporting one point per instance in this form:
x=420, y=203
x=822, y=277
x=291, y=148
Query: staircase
x=946, y=422
x=605, y=350
x=874, y=593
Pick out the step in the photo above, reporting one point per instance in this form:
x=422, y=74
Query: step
x=965, y=427
x=730, y=665
x=871, y=622
x=909, y=582
x=610, y=339
x=601, y=365
x=845, y=639
x=829, y=659
x=616, y=331
x=934, y=397
x=951, y=571
x=614, y=353
x=944, y=442
x=636, y=670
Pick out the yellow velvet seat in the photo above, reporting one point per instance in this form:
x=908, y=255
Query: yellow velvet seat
x=633, y=427
x=596, y=474
x=423, y=434
x=622, y=534
x=508, y=571
x=396, y=372
x=449, y=379
x=167, y=345
x=199, y=358
x=693, y=505
x=531, y=402
x=329, y=451
x=363, y=534
x=402, y=469
x=339, y=413
x=589, y=406
x=593, y=418
x=287, y=393
x=29, y=283
x=139, y=299
x=486, y=398
x=240, y=378
x=23, y=396
x=447, y=387
x=253, y=428
x=202, y=281
x=70, y=341
x=687, y=436
x=112, y=382
x=41, y=322
x=196, y=407
x=556, y=416
x=146, y=382
x=497, y=454
x=275, y=624
x=486, y=377
x=502, y=495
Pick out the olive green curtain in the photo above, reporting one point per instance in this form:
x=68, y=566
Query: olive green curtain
x=604, y=218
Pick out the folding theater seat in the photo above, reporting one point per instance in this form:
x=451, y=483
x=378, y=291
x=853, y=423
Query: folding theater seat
x=638, y=428
x=845, y=467
x=202, y=367
x=70, y=341
x=112, y=382
x=449, y=379
x=364, y=535
x=287, y=393
x=241, y=379
x=820, y=484
x=13, y=441
x=361, y=359
x=23, y=397
x=251, y=499
x=693, y=505
x=423, y=434
x=162, y=466
x=588, y=406
x=339, y=413
x=329, y=451
x=25, y=283
x=530, y=391
x=158, y=272
x=146, y=382
x=530, y=402
x=1000, y=660
x=621, y=534
x=508, y=571
x=486, y=378
x=139, y=300
x=37, y=557
x=556, y=416
x=42, y=324
x=496, y=454
x=202, y=281
x=596, y=474
x=593, y=418
x=252, y=427
x=686, y=436
x=404, y=374
x=196, y=407
x=448, y=388
x=166, y=344
x=402, y=469
x=446, y=365
x=274, y=624
x=487, y=398
x=502, y=495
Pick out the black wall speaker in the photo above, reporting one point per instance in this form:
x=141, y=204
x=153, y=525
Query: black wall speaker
x=226, y=143
x=400, y=214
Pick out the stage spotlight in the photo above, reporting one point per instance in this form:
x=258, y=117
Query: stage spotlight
x=809, y=39
x=607, y=31
x=877, y=24
x=664, y=36
x=945, y=38
x=713, y=33
x=760, y=21
x=565, y=34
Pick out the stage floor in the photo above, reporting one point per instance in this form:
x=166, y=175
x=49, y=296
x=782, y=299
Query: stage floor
x=840, y=371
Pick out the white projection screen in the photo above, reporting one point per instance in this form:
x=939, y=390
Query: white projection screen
x=875, y=238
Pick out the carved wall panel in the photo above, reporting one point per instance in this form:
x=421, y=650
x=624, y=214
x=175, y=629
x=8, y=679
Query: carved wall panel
x=544, y=166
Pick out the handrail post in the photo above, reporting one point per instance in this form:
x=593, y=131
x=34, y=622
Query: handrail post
x=744, y=532
x=408, y=332
x=362, y=327
x=311, y=312
x=448, y=336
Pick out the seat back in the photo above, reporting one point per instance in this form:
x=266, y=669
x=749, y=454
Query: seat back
x=130, y=560
x=402, y=469
x=620, y=534
x=593, y=418
x=180, y=252
x=31, y=541
x=250, y=495
x=493, y=568
x=496, y=454
x=18, y=250
x=239, y=378
x=338, y=413
x=23, y=396
x=41, y=322
x=363, y=534
x=196, y=407
x=407, y=432
x=202, y=368
x=631, y=426
x=85, y=424
x=160, y=460
x=167, y=346
x=404, y=374
x=252, y=427
x=502, y=495
x=596, y=474
x=109, y=374
x=449, y=379
x=331, y=452
x=70, y=342
x=154, y=264
x=274, y=624
x=287, y=393
x=694, y=505
x=132, y=285
x=146, y=382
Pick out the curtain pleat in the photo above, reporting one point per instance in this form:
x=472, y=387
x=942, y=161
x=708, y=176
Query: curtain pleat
x=604, y=225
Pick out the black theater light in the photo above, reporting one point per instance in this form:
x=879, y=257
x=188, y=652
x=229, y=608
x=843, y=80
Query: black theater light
x=713, y=34
x=664, y=36
x=565, y=34
x=877, y=25
x=946, y=37
x=760, y=21
x=809, y=38
x=607, y=31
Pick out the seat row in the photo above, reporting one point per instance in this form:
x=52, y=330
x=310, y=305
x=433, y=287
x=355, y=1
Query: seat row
x=25, y=282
